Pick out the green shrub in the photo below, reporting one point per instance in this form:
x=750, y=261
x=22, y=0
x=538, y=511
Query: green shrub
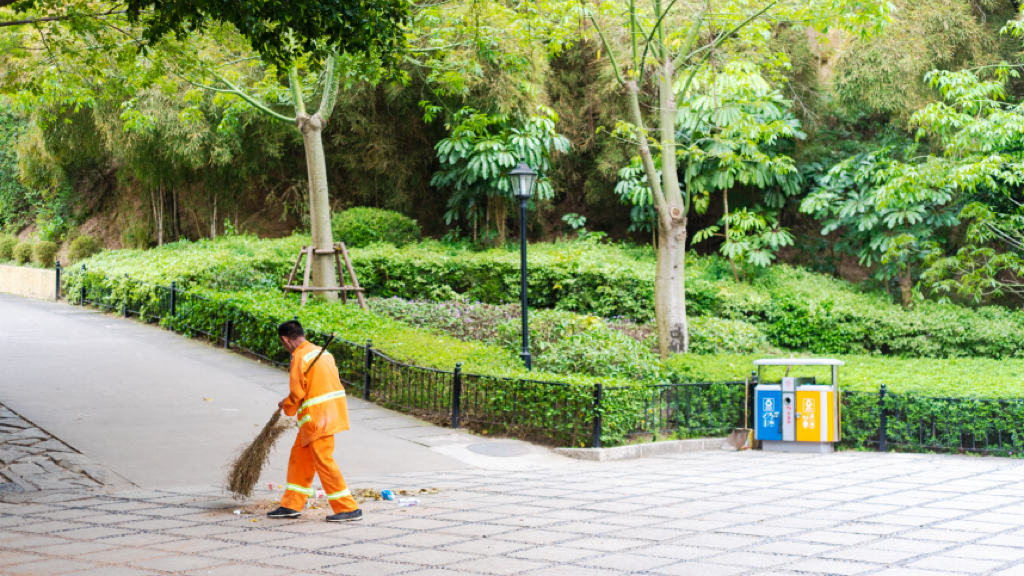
x=7, y=244
x=23, y=252
x=358, y=227
x=709, y=335
x=793, y=308
x=45, y=254
x=82, y=248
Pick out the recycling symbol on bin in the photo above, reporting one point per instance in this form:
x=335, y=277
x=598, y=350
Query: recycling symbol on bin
x=769, y=412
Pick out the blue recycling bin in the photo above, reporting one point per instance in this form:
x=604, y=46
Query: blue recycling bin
x=768, y=412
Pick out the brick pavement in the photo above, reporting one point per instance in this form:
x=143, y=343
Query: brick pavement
x=698, y=514
x=31, y=459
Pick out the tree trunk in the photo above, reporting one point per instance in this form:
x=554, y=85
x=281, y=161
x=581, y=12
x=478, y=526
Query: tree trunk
x=906, y=288
x=213, y=220
x=725, y=201
x=160, y=216
x=319, y=203
x=670, y=290
x=175, y=219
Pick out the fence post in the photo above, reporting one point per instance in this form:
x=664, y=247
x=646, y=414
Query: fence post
x=228, y=325
x=881, y=420
x=174, y=298
x=82, y=301
x=598, y=394
x=456, y=395
x=367, y=365
x=56, y=294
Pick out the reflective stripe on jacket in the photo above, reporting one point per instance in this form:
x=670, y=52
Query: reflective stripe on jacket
x=317, y=399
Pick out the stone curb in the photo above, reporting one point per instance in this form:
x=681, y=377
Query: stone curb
x=642, y=450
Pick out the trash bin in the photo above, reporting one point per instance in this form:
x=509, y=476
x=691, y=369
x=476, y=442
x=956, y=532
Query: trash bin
x=797, y=414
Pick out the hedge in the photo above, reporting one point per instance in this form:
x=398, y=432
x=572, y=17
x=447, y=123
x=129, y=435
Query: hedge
x=795, y=308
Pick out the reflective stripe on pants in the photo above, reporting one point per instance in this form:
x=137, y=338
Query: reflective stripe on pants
x=317, y=458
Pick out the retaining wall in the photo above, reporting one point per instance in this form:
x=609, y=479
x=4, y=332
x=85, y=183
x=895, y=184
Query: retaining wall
x=28, y=282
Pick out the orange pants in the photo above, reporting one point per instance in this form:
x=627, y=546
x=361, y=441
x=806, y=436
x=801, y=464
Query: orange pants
x=317, y=457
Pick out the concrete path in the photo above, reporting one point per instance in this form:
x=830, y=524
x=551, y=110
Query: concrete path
x=162, y=410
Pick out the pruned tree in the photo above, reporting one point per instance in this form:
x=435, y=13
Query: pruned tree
x=75, y=49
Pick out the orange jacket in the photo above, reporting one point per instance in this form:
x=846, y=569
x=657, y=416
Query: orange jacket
x=317, y=398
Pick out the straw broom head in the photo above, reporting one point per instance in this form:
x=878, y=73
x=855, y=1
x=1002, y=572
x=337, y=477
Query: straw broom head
x=245, y=471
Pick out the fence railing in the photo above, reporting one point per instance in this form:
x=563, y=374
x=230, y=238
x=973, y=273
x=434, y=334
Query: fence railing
x=568, y=414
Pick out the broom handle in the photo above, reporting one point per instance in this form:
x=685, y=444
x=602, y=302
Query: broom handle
x=322, y=350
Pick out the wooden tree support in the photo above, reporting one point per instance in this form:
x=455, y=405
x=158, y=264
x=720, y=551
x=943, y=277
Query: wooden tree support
x=339, y=251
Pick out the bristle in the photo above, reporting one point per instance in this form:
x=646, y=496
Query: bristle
x=245, y=471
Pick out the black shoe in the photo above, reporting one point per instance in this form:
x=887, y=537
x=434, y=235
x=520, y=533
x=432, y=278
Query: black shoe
x=283, y=512
x=352, y=516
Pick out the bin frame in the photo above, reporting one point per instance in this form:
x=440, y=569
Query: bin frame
x=834, y=364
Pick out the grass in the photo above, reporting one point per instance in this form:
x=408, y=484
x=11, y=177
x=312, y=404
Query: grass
x=956, y=377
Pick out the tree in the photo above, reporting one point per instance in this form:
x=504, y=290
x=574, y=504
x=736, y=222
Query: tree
x=324, y=38
x=895, y=237
x=479, y=153
x=678, y=47
x=980, y=135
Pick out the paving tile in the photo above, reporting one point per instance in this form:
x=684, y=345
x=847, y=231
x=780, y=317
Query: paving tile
x=604, y=544
x=627, y=562
x=178, y=563
x=253, y=552
x=949, y=563
x=498, y=565
x=904, y=545
x=478, y=530
x=431, y=557
x=366, y=550
x=982, y=552
x=94, y=533
x=792, y=547
x=752, y=559
x=306, y=561
x=192, y=546
x=699, y=569
x=368, y=568
x=115, y=571
x=20, y=541
x=46, y=567
x=942, y=535
x=676, y=552
x=49, y=527
x=122, y=555
x=11, y=557
x=831, y=566
x=554, y=554
x=865, y=554
x=72, y=548
x=240, y=570
x=724, y=541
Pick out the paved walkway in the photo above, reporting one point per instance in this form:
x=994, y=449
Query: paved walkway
x=699, y=514
x=163, y=411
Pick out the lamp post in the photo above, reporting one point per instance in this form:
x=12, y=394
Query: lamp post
x=523, y=178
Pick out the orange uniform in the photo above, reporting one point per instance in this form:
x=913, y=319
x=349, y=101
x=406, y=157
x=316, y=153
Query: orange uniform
x=318, y=400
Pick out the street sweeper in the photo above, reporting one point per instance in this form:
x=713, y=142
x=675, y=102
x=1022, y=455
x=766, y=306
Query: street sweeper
x=317, y=399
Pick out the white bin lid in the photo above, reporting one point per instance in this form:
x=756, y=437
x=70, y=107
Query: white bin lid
x=799, y=362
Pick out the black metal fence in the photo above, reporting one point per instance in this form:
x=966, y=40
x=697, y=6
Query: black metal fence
x=567, y=414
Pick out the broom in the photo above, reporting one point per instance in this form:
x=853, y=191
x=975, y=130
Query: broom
x=245, y=471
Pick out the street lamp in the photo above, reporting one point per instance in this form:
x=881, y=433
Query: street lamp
x=523, y=178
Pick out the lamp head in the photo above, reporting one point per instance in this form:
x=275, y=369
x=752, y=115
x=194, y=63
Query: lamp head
x=522, y=178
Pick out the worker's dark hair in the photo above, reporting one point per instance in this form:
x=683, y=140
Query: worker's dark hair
x=291, y=329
